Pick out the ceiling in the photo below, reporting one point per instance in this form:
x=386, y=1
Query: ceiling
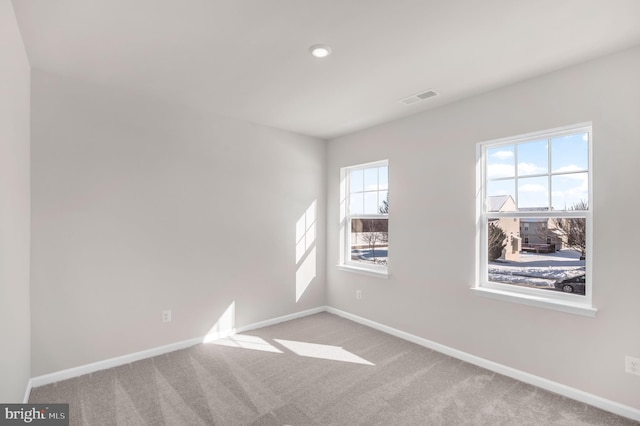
x=249, y=59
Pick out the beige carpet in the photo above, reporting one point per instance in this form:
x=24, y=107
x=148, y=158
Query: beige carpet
x=317, y=370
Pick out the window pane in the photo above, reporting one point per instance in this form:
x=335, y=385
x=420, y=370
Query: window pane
x=371, y=179
x=533, y=193
x=369, y=241
x=570, y=191
x=533, y=158
x=501, y=162
x=502, y=187
x=357, y=181
x=542, y=253
x=570, y=153
x=371, y=202
x=383, y=177
x=356, y=204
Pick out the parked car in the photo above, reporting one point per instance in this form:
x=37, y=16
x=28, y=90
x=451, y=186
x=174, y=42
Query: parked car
x=572, y=285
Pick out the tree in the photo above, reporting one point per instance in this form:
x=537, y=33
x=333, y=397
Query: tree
x=384, y=208
x=372, y=235
x=497, y=242
x=575, y=229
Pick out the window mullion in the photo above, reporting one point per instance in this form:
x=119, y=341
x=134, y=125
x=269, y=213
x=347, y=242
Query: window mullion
x=515, y=172
x=549, y=185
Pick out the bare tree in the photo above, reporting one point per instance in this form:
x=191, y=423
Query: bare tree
x=384, y=209
x=372, y=235
x=575, y=229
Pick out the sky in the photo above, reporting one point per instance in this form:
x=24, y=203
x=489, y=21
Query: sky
x=532, y=171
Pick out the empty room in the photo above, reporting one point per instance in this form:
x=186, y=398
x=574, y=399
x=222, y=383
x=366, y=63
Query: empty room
x=297, y=212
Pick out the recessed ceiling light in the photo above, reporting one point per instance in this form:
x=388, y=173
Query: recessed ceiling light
x=320, y=50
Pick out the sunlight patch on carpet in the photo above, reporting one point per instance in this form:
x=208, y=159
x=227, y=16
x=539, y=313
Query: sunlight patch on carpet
x=316, y=350
x=247, y=342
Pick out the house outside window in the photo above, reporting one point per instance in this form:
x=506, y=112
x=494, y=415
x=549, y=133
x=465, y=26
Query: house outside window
x=365, y=204
x=539, y=184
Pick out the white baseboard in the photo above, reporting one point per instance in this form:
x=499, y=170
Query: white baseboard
x=110, y=363
x=569, y=392
x=27, y=392
x=283, y=318
x=148, y=353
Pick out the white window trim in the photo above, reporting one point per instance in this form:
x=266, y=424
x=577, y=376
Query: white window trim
x=364, y=271
x=346, y=264
x=570, y=303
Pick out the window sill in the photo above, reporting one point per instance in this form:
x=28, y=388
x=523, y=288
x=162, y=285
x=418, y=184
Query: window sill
x=538, y=301
x=384, y=274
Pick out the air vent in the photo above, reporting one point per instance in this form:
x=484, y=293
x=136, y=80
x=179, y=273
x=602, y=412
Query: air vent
x=419, y=97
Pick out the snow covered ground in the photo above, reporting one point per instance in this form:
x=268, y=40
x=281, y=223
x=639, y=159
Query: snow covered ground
x=538, y=270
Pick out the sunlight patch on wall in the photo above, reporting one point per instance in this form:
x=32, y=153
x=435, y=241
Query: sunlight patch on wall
x=315, y=350
x=247, y=342
x=305, y=231
x=305, y=250
x=225, y=326
x=305, y=274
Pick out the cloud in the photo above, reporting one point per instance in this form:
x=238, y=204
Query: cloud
x=502, y=155
x=571, y=194
x=532, y=187
x=530, y=169
x=500, y=170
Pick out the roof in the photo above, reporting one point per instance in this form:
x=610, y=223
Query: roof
x=495, y=202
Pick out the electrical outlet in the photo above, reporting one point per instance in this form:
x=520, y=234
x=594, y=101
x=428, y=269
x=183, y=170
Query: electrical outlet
x=166, y=316
x=632, y=365
x=358, y=294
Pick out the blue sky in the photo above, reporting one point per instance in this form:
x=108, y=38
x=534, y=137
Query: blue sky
x=524, y=168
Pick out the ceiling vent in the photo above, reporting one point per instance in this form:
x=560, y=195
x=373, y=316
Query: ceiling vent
x=419, y=97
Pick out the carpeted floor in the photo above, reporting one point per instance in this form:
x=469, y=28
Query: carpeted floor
x=317, y=370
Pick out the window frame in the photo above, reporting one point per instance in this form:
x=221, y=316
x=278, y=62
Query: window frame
x=346, y=263
x=566, y=302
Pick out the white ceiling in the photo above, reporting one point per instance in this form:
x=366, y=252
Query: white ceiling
x=249, y=58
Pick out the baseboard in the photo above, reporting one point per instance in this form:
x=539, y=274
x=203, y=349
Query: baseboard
x=110, y=363
x=569, y=392
x=137, y=356
x=283, y=318
x=27, y=392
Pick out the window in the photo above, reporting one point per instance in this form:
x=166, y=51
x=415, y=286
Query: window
x=365, y=204
x=539, y=183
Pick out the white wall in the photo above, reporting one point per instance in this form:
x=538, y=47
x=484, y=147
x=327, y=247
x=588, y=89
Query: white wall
x=14, y=210
x=432, y=228
x=140, y=205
